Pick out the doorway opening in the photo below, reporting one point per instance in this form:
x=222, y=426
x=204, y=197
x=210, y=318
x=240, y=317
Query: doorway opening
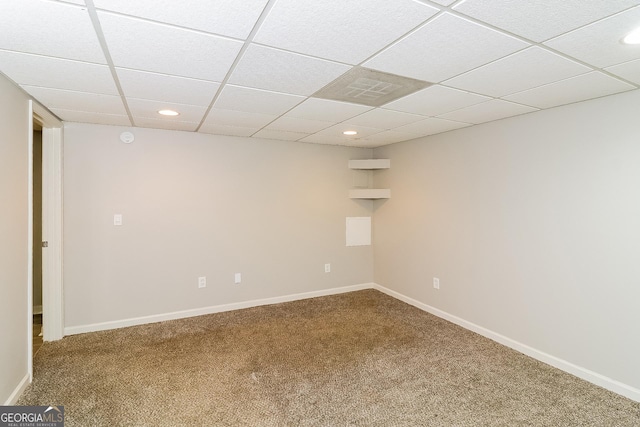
x=37, y=330
x=45, y=230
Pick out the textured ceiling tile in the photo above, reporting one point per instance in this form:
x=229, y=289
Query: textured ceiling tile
x=628, y=70
x=599, y=43
x=148, y=46
x=443, y=48
x=238, y=118
x=216, y=129
x=336, y=131
x=521, y=71
x=329, y=140
x=293, y=124
x=146, y=122
x=149, y=109
x=44, y=71
x=540, y=20
x=96, y=118
x=436, y=100
x=387, y=137
x=271, y=69
x=580, y=88
x=430, y=126
x=280, y=135
x=161, y=87
x=54, y=29
x=229, y=18
x=255, y=101
x=444, y=2
x=325, y=110
x=77, y=101
x=382, y=118
x=487, y=111
x=346, y=31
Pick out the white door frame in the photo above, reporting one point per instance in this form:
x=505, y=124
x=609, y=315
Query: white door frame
x=52, y=305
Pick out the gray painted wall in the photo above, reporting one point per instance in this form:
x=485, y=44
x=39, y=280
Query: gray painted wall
x=14, y=177
x=200, y=205
x=532, y=225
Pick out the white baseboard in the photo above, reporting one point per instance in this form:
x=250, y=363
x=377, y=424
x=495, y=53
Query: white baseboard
x=18, y=391
x=73, y=330
x=578, y=371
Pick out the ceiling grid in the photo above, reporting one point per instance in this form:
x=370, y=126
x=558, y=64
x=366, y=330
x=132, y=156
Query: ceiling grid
x=257, y=68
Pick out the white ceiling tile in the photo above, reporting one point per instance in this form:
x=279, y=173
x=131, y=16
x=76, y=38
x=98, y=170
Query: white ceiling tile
x=387, y=137
x=229, y=18
x=149, y=109
x=238, y=118
x=293, y=124
x=523, y=70
x=95, y=118
x=335, y=134
x=44, y=71
x=272, y=69
x=430, y=126
x=487, y=111
x=443, y=48
x=436, y=100
x=599, y=43
x=280, y=135
x=325, y=110
x=627, y=70
x=147, y=122
x=255, y=100
x=54, y=29
x=541, y=19
x=148, y=46
x=346, y=31
x=216, y=129
x=444, y=2
x=328, y=140
x=580, y=88
x=384, y=119
x=77, y=101
x=161, y=87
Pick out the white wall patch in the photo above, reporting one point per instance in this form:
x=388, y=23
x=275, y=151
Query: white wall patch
x=359, y=231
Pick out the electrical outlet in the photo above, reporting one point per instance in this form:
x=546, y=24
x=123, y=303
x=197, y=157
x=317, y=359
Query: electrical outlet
x=327, y=268
x=117, y=219
x=202, y=282
x=237, y=278
x=436, y=283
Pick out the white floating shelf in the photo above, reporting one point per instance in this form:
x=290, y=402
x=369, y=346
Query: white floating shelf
x=370, y=164
x=370, y=193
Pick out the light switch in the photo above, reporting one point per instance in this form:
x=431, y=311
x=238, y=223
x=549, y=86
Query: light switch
x=117, y=219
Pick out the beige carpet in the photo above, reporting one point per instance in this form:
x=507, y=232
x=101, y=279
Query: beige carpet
x=357, y=359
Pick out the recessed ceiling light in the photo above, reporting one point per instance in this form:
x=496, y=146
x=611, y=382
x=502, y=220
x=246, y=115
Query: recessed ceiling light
x=168, y=113
x=350, y=132
x=633, y=37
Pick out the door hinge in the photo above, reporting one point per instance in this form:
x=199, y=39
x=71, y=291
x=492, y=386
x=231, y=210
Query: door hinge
x=45, y=244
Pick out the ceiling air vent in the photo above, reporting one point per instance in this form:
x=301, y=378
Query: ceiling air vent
x=369, y=87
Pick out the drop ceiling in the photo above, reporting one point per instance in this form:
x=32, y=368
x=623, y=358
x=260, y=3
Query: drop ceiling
x=252, y=67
